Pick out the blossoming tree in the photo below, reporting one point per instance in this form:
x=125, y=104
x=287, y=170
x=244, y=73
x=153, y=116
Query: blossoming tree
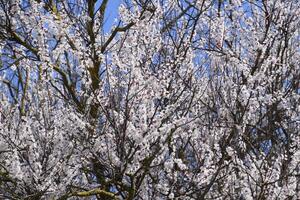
x=190, y=99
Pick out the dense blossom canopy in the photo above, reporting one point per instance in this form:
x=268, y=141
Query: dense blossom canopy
x=181, y=99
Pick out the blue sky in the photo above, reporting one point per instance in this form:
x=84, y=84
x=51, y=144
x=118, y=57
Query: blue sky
x=111, y=13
